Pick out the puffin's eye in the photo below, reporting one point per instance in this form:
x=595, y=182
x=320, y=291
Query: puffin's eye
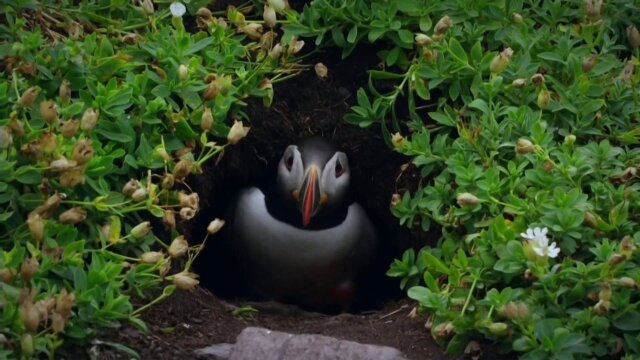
x=288, y=162
x=339, y=169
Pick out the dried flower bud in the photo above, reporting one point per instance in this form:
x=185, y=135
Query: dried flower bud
x=72, y=177
x=30, y=316
x=131, y=39
x=49, y=111
x=48, y=143
x=169, y=219
x=473, y=350
x=627, y=245
x=7, y=275
x=321, y=71
x=276, y=52
x=444, y=330
x=602, y=307
x=204, y=18
x=589, y=62
x=6, y=139
x=140, y=194
x=295, y=47
x=515, y=311
x=44, y=307
x=519, y=83
x=537, y=79
x=548, y=166
x=151, y=257
x=89, y=120
x=269, y=16
x=168, y=181
x=69, y=128
x=628, y=71
x=36, y=227
x=237, y=132
x=141, y=230
x=252, y=30
x=183, y=72
x=423, y=40
x=206, y=122
x=185, y=280
x=130, y=187
x=65, y=91
x=83, y=151
x=147, y=7
x=413, y=314
x=183, y=169
x=590, y=220
x=29, y=269
x=277, y=5
x=192, y=200
x=28, y=69
x=187, y=213
x=627, y=282
x=498, y=328
x=16, y=126
x=213, y=90
x=524, y=146
x=593, y=8
x=501, y=61
x=73, y=216
x=29, y=96
x=467, y=200
x=517, y=18
x=430, y=55
x=634, y=36
x=616, y=259
x=58, y=323
x=443, y=25
x=529, y=276
x=396, y=199
x=179, y=247
x=64, y=303
x=544, y=98
x=215, y=226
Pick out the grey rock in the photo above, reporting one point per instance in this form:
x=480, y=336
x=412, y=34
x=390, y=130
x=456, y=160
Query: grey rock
x=214, y=352
x=259, y=343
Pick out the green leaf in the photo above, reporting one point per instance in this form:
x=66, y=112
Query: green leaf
x=434, y=262
x=457, y=51
x=442, y=119
x=199, y=45
x=425, y=24
x=28, y=175
x=628, y=321
x=353, y=34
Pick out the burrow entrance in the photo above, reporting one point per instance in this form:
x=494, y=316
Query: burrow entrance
x=302, y=107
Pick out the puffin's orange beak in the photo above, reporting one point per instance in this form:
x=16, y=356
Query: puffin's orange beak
x=310, y=194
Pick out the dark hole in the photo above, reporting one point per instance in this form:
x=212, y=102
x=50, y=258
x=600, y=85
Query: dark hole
x=307, y=106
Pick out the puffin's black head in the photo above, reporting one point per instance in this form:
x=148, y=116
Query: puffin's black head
x=313, y=175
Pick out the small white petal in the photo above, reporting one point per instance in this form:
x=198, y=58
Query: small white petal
x=553, y=250
x=177, y=9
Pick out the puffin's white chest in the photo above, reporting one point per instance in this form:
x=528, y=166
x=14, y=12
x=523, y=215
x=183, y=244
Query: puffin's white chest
x=283, y=259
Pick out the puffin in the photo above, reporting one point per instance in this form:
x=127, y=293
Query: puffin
x=304, y=241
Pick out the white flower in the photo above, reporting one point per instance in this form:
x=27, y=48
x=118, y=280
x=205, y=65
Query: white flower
x=540, y=242
x=177, y=9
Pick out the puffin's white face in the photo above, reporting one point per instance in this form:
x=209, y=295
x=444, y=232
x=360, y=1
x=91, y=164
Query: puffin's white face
x=312, y=185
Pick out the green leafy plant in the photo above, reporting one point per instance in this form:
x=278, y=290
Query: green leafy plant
x=521, y=117
x=106, y=109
